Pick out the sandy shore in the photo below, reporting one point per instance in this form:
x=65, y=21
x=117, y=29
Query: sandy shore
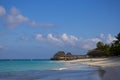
x=111, y=66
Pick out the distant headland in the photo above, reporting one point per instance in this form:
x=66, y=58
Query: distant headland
x=60, y=55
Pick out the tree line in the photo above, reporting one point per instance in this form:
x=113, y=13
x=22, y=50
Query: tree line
x=60, y=55
x=102, y=49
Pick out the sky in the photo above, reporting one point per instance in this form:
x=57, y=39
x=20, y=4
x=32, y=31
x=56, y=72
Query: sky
x=37, y=29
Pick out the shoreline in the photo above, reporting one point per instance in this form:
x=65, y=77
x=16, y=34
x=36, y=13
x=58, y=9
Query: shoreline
x=109, y=67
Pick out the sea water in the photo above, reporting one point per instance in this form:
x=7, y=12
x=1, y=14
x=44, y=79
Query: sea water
x=46, y=70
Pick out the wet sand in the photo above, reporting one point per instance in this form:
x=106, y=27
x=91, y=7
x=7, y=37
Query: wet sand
x=111, y=66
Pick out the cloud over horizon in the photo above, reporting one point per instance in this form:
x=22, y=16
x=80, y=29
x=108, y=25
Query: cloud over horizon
x=15, y=19
x=73, y=41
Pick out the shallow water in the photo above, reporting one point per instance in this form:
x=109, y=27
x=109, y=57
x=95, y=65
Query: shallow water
x=50, y=75
x=46, y=70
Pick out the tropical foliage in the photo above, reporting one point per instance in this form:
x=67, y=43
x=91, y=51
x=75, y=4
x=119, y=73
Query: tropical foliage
x=102, y=49
x=60, y=55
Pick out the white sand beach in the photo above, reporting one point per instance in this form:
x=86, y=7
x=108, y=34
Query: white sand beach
x=111, y=66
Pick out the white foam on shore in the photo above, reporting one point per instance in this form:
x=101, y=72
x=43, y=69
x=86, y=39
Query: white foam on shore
x=62, y=68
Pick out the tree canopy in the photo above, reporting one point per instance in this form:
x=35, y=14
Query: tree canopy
x=102, y=49
x=60, y=55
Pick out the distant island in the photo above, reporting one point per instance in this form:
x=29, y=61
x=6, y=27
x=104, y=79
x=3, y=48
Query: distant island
x=60, y=55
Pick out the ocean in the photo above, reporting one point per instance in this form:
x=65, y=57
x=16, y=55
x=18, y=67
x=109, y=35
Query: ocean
x=46, y=70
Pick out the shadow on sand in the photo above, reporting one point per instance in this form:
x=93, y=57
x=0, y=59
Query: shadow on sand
x=101, y=73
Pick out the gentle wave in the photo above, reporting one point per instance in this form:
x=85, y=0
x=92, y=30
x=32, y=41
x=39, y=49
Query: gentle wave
x=46, y=70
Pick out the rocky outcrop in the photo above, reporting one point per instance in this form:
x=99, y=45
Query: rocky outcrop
x=60, y=55
x=69, y=56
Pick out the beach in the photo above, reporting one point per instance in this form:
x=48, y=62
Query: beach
x=109, y=67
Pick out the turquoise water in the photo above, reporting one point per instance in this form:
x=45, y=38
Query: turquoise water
x=46, y=70
x=6, y=66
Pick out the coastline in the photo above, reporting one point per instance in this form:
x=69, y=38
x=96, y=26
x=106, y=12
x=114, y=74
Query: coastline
x=111, y=66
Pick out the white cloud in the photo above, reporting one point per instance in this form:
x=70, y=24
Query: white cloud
x=96, y=40
x=64, y=37
x=68, y=39
x=87, y=46
x=2, y=11
x=73, y=41
x=15, y=19
x=73, y=38
x=39, y=37
x=53, y=39
x=102, y=36
x=110, y=38
x=107, y=38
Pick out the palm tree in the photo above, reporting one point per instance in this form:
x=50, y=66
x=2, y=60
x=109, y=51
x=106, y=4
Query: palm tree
x=118, y=37
x=100, y=46
x=115, y=48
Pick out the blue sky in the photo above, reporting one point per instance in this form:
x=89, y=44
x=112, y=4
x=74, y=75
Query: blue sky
x=40, y=28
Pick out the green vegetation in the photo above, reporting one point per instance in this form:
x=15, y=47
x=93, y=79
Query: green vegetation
x=69, y=56
x=115, y=46
x=95, y=53
x=102, y=49
x=60, y=55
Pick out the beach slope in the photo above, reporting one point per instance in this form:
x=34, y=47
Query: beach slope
x=111, y=66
